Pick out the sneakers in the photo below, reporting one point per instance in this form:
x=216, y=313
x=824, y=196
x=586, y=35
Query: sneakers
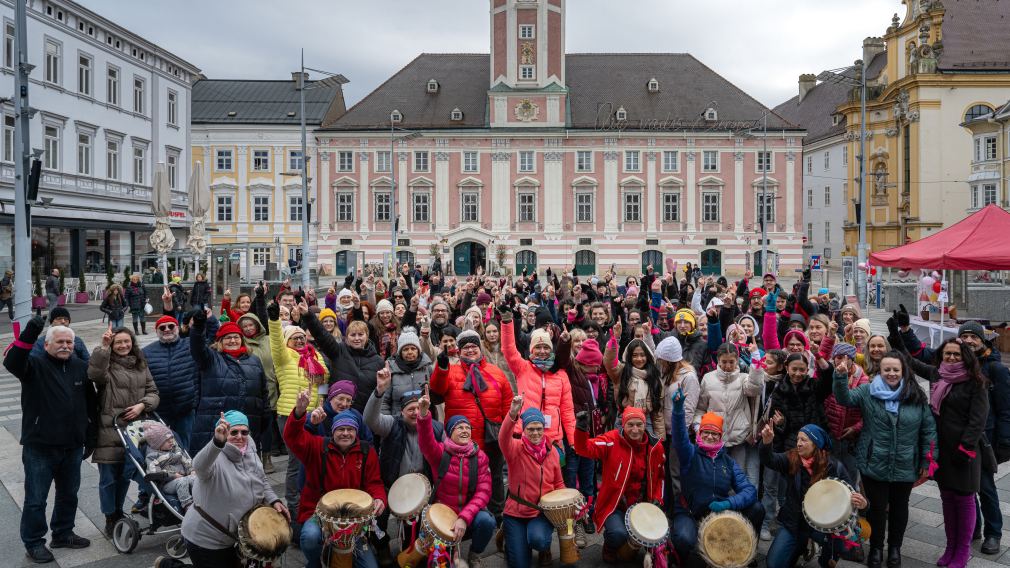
x=589, y=525
x=766, y=535
x=474, y=561
x=580, y=536
x=40, y=554
x=140, y=506
x=70, y=541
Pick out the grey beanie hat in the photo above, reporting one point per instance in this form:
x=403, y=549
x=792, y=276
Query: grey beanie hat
x=408, y=336
x=972, y=327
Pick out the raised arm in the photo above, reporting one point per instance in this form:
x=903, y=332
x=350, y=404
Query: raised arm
x=515, y=361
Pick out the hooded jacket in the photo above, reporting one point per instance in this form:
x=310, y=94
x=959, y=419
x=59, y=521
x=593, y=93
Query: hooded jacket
x=291, y=379
x=734, y=397
x=404, y=380
x=356, y=365
x=122, y=382
x=259, y=345
x=451, y=490
x=528, y=478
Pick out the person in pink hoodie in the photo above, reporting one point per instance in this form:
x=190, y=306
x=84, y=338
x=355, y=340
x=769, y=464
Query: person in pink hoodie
x=461, y=475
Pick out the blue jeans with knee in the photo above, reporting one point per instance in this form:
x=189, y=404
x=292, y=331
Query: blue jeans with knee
x=787, y=547
x=615, y=532
x=480, y=531
x=580, y=472
x=312, y=547
x=113, y=483
x=45, y=466
x=523, y=536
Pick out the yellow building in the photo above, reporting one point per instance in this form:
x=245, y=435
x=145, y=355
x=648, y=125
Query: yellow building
x=246, y=137
x=933, y=73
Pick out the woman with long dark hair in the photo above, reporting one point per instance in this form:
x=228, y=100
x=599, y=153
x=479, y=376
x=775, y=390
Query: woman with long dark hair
x=637, y=380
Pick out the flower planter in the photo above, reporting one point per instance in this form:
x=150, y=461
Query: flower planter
x=81, y=298
x=61, y=300
x=38, y=302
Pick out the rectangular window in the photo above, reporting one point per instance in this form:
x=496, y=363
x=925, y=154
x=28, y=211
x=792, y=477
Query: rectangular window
x=261, y=208
x=990, y=147
x=526, y=158
x=112, y=86
x=827, y=252
x=632, y=161
x=422, y=207
x=827, y=231
x=810, y=232
x=139, y=165
x=527, y=207
x=173, y=108
x=139, y=96
x=845, y=155
x=526, y=31
x=827, y=160
x=112, y=159
x=470, y=162
x=345, y=161
x=223, y=161
x=710, y=207
x=527, y=72
x=261, y=160
x=84, y=75
x=988, y=194
x=764, y=161
x=383, y=207
x=295, y=161
x=810, y=164
x=710, y=161
x=632, y=207
x=54, y=60
x=584, y=161
x=766, y=206
x=172, y=168
x=8, y=138
x=260, y=256
x=84, y=154
x=224, y=208
x=52, y=148
x=421, y=161
x=345, y=207
x=671, y=161
x=975, y=198
x=470, y=207
x=8, y=45
x=584, y=207
x=382, y=162
x=671, y=207
x=295, y=209
x=827, y=195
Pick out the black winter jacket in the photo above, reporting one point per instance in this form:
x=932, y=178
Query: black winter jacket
x=175, y=373
x=356, y=365
x=800, y=404
x=790, y=514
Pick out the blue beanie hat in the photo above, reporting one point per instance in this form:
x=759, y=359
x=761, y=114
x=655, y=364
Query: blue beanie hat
x=236, y=418
x=345, y=418
x=531, y=415
x=842, y=348
x=454, y=421
x=818, y=436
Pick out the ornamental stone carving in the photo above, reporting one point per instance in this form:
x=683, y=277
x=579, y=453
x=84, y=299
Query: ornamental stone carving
x=651, y=156
x=690, y=156
x=553, y=156
x=527, y=111
x=403, y=156
x=363, y=156
x=891, y=132
x=324, y=156
x=611, y=156
x=501, y=156
x=790, y=156
x=441, y=156
x=738, y=156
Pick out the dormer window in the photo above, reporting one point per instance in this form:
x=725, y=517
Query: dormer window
x=621, y=114
x=432, y=86
x=396, y=116
x=711, y=114
x=836, y=119
x=456, y=114
x=653, y=85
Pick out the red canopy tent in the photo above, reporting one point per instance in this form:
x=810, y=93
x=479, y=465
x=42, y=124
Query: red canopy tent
x=977, y=242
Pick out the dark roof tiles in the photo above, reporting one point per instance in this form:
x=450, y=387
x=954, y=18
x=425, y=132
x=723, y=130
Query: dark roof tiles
x=264, y=102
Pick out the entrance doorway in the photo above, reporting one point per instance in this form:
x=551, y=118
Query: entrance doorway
x=654, y=258
x=467, y=257
x=711, y=262
x=585, y=262
x=526, y=260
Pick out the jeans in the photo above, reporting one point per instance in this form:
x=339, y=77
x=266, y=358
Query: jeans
x=787, y=547
x=45, y=466
x=312, y=547
x=181, y=488
x=684, y=532
x=138, y=317
x=888, y=508
x=774, y=495
x=52, y=300
x=480, y=531
x=843, y=451
x=523, y=536
x=496, y=462
x=746, y=456
x=291, y=491
x=615, y=532
x=116, y=323
x=113, y=483
x=182, y=426
x=989, y=507
x=9, y=303
x=580, y=472
x=266, y=440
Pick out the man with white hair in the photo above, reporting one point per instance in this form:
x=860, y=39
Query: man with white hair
x=56, y=395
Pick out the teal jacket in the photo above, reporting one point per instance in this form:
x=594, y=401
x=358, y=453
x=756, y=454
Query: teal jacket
x=891, y=447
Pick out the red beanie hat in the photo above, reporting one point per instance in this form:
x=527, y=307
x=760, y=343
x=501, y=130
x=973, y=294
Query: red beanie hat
x=227, y=328
x=758, y=292
x=630, y=413
x=165, y=319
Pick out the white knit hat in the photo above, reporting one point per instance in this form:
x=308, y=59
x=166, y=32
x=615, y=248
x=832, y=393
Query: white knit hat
x=383, y=306
x=670, y=350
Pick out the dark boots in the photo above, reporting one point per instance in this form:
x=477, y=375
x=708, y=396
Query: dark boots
x=143, y=327
x=110, y=522
x=135, y=330
x=875, y=558
x=893, y=556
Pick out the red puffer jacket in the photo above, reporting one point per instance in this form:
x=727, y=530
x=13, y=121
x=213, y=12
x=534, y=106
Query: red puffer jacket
x=343, y=471
x=496, y=400
x=528, y=478
x=615, y=451
x=841, y=417
x=549, y=392
x=451, y=490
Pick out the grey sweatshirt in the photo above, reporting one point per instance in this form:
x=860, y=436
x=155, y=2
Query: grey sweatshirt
x=382, y=424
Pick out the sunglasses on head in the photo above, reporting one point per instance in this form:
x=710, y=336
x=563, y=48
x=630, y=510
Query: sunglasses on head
x=166, y=327
x=239, y=433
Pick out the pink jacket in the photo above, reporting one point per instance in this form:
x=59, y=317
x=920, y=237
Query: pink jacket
x=451, y=491
x=528, y=478
x=549, y=392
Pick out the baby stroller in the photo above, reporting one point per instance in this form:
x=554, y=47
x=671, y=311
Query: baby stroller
x=164, y=513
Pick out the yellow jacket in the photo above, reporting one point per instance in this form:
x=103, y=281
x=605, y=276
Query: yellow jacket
x=291, y=379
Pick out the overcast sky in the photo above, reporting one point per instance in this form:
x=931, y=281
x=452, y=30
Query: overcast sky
x=760, y=45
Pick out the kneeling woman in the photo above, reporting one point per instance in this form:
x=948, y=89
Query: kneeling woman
x=633, y=465
x=461, y=475
x=809, y=462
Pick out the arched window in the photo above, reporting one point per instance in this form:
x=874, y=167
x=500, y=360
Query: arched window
x=976, y=112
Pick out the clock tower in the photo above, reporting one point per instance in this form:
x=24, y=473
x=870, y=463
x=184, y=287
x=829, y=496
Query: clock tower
x=527, y=82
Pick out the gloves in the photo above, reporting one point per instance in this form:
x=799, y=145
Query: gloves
x=901, y=316
x=274, y=311
x=582, y=421
x=505, y=313
x=443, y=360
x=678, y=401
x=32, y=330
x=770, y=299
x=892, y=328
x=806, y=275
x=719, y=506
x=199, y=319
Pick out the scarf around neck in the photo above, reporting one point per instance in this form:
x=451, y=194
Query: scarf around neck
x=950, y=374
x=543, y=364
x=808, y=464
x=236, y=353
x=473, y=375
x=307, y=360
x=537, y=451
x=881, y=391
x=711, y=450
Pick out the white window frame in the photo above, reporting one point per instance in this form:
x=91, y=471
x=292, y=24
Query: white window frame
x=810, y=233
x=344, y=200
x=827, y=160
x=53, y=57
x=705, y=165
x=8, y=141
x=470, y=162
x=113, y=149
x=671, y=204
x=420, y=202
x=112, y=80
x=464, y=205
x=705, y=195
x=172, y=168
x=631, y=202
x=827, y=195
x=671, y=161
x=422, y=161
x=527, y=73
x=296, y=208
x=296, y=161
x=260, y=256
x=85, y=74
x=768, y=199
x=810, y=197
x=527, y=31
x=382, y=202
x=526, y=164
x=8, y=44
x=584, y=161
x=827, y=231
x=85, y=152
x=989, y=143
x=261, y=208
x=222, y=155
x=52, y=146
x=224, y=209
x=345, y=161
x=139, y=165
x=172, y=99
x=526, y=205
x=632, y=160
x=261, y=160
x=810, y=164
x=139, y=95
x=383, y=161
x=583, y=207
x=845, y=155
x=987, y=189
x=764, y=162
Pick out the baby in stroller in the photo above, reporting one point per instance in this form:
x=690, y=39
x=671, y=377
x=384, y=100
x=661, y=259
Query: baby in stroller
x=173, y=469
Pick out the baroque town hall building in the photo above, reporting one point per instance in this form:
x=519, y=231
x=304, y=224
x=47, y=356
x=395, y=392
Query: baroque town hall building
x=532, y=157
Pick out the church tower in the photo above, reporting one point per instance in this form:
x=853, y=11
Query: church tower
x=527, y=82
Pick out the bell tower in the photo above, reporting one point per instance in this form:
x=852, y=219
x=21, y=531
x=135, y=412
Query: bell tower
x=527, y=82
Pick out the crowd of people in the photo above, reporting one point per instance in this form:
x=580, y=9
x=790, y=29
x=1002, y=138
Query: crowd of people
x=695, y=394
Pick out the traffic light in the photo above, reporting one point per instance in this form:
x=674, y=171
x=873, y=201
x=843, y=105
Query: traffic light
x=33, y=181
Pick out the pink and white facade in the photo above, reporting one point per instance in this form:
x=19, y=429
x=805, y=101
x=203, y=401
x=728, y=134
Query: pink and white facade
x=538, y=158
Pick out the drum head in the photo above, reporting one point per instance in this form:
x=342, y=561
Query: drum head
x=409, y=494
x=441, y=519
x=346, y=503
x=727, y=539
x=560, y=497
x=269, y=530
x=648, y=522
x=828, y=504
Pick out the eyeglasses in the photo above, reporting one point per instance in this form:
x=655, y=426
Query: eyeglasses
x=237, y=433
x=166, y=327
x=951, y=355
x=297, y=338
